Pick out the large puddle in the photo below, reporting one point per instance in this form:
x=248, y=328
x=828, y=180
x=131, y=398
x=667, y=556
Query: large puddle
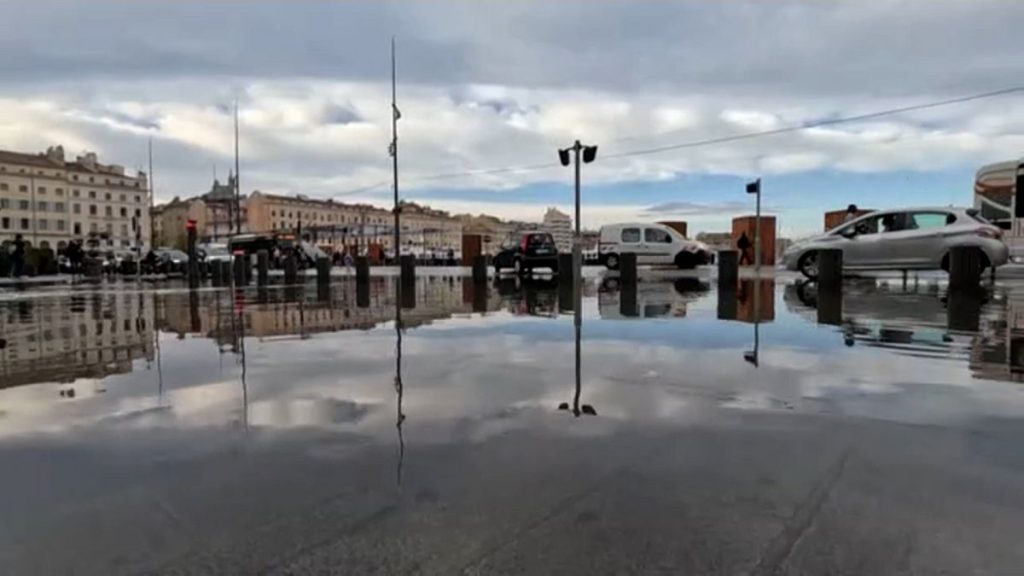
x=671, y=428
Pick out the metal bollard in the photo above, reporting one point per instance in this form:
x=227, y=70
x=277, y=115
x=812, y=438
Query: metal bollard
x=627, y=268
x=830, y=270
x=225, y=271
x=263, y=267
x=363, y=294
x=727, y=303
x=479, y=269
x=830, y=305
x=728, y=270
x=362, y=269
x=291, y=270
x=965, y=267
x=963, y=309
x=627, y=296
x=241, y=262
x=215, y=274
x=323, y=271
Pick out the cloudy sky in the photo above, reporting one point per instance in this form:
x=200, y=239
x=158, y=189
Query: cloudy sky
x=498, y=85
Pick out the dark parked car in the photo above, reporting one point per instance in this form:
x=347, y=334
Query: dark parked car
x=165, y=261
x=534, y=250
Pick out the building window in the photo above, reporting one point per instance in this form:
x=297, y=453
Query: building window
x=43, y=224
x=58, y=207
x=23, y=188
x=91, y=179
x=92, y=227
x=24, y=223
x=124, y=212
x=92, y=194
x=3, y=186
x=138, y=213
x=60, y=225
x=122, y=198
x=109, y=211
x=74, y=177
x=77, y=208
x=106, y=196
x=59, y=191
x=124, y=229
x=92, y=209
x=5, y=222
x=4, y=203
x=78, y=228
x=106, y=181
x=138, y=198
x=110, y=228
x=23, y=205
x=273, y=213
x=42, y=206
x=41, y=189
x=76, y=193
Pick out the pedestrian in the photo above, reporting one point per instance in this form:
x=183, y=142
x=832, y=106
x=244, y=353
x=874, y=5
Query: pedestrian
x=744, y=246
x=348, y=260
x=851, y=213
x=18, y=257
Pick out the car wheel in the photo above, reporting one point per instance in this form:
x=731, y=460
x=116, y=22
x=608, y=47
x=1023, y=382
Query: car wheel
x=611, y=261
x=686, y=261
x=808, y=264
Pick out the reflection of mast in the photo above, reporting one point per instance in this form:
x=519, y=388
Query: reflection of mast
x=751, y=356
x=399, y=388
x=577, y=321
x=159, y=366
x=238, y=323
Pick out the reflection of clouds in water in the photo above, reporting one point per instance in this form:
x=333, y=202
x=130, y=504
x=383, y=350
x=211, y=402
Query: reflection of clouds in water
x=314, y=411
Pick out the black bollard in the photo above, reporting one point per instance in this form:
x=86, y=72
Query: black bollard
x=727, y=302
x=627, y=269
x=291, y=270
x=728, y=271
x=566, y=271
x=480, y=269
x=963, y=309
x=480, y=290
x=363, y=294
x=965, y=267
x=263, y=267
x=241, y=262
x=362, y=269
x=323, y=271
x=566, y=295
x=830, y=270
x=408, y=294
x=193, y=257
x=225, y=271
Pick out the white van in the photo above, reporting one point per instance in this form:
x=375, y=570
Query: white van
x=652, y=244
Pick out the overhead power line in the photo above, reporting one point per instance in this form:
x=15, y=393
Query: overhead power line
x=737, y=137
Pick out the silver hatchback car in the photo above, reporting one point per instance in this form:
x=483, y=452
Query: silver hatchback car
x=905, y=239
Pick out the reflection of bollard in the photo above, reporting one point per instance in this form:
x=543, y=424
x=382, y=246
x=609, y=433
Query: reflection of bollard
x=291, y=270
x=216, y=273
x=363, y=294
x=225, y=271
x=193, y=310
x=479, y=269
x=323, y=292
x=193, y=258
x=830, y=303
x=407, y=267
x=566, y=271
x=830, y=270
x=627, y=298
x=408, y=294
x=323, y=271
x=963, y=308
x=728, y=272
x=965, y=267
x=627, y=268
x=263, y=267
x=480, y=290
x=241, y=262
x=566, y=296
x=727, y=303
x=362, y=269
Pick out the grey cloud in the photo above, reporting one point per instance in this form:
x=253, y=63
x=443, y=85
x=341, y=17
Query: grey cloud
x=685, y=208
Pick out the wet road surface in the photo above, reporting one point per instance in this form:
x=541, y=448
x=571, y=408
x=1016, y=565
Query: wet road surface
x=766, y=430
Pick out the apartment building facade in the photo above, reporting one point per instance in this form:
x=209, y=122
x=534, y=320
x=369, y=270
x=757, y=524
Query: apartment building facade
x=559, y=225
x=50, y=200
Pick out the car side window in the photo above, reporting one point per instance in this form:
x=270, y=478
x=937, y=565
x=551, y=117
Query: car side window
x=656, y=236
x=869, y=225
x=630, y=235
x=931, y=220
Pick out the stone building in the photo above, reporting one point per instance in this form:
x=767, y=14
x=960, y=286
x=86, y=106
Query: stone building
x=51, y=200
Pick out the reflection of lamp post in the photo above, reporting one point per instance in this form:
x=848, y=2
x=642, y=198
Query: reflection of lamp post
x=586, y=409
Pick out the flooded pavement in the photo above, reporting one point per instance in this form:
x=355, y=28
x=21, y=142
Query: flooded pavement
x=456, y=429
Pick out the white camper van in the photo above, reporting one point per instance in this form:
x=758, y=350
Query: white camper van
x=652, y=244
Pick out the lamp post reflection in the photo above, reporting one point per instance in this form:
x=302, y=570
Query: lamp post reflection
x=399, y=387
x=577, y=409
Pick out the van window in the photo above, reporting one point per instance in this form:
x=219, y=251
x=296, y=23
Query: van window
x=630, y=235
x=656, y=236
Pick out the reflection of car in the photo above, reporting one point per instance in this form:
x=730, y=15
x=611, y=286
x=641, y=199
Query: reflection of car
x=908, y=239
x=529, y=297
x=652, y=244
x=165, y=261
x=534, y=250
x=649, y=300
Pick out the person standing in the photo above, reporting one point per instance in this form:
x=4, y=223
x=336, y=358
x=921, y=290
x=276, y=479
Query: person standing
x=18, y=257
x=746, y=255
x=851, y=213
